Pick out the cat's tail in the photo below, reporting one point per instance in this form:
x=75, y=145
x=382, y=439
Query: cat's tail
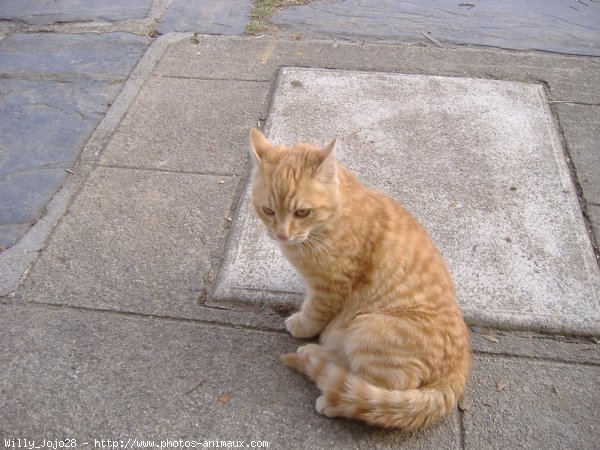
x=345, y=394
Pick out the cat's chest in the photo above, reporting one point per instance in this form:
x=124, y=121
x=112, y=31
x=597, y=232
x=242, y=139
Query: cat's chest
x=307, y=262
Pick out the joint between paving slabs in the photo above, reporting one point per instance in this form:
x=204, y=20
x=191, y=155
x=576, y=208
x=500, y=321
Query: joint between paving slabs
x=203, y=78
x=20, y=302
x=170, y=171
x=558, y=359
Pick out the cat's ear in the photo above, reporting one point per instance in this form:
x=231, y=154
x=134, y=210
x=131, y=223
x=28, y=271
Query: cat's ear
x=259, y=143
x=327, y=171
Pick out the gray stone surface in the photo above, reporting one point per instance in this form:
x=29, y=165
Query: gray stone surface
x=110, y=54
x=531, y=404
x=136, y=240
x=39, y=13
x=54, y=89
x=207, y=17
x=9, y=234
x=478, y=162
x=24, y=195
x=196, y=138
x=90, y=375
x=564, y=27
x=45, y=122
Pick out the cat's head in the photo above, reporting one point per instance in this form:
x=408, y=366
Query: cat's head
x=296, y=190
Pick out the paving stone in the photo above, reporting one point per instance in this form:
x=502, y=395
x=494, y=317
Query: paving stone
x=10, y=234
x=562, y=27
x=478, y=162
x=43, y=126
x=24, y=195
x=121, y=377
x=196, y=137
x=42, y=13
x=136, y=240
x=207, y=17
x=518, y=403
x=45, y=123
x=54, y=90
x=110, y=54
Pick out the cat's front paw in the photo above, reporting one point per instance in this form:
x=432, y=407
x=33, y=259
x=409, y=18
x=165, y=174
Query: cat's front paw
x=299, y=326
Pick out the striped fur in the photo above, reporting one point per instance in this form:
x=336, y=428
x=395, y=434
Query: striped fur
x=394, y=349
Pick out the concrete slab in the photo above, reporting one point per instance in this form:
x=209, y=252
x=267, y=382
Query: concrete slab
x=207, y=17
x=531, y=404
x=195, y=138
x=119, y=377
x=479, y=162
x=562, y=27
x=136, y=240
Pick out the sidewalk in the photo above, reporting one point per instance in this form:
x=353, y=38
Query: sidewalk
x=114, y=332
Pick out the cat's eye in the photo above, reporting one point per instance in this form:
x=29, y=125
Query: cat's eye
x=268, y=211
x=301, y=213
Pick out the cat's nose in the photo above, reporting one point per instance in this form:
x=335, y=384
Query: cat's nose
x=282, y=236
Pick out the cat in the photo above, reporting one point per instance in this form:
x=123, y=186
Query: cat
x=394, y=348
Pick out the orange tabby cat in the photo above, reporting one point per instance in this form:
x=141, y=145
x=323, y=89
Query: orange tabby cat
x=394, y=348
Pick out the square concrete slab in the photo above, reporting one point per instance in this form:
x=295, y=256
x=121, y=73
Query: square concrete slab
x=195, y=138
x=478, y=162
x=136, y=240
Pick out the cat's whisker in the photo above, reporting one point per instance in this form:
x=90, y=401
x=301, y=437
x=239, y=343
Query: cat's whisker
x=311, y=245
x=300, y=245
x=325, y=235
x=319, y=245
x=324, y=242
